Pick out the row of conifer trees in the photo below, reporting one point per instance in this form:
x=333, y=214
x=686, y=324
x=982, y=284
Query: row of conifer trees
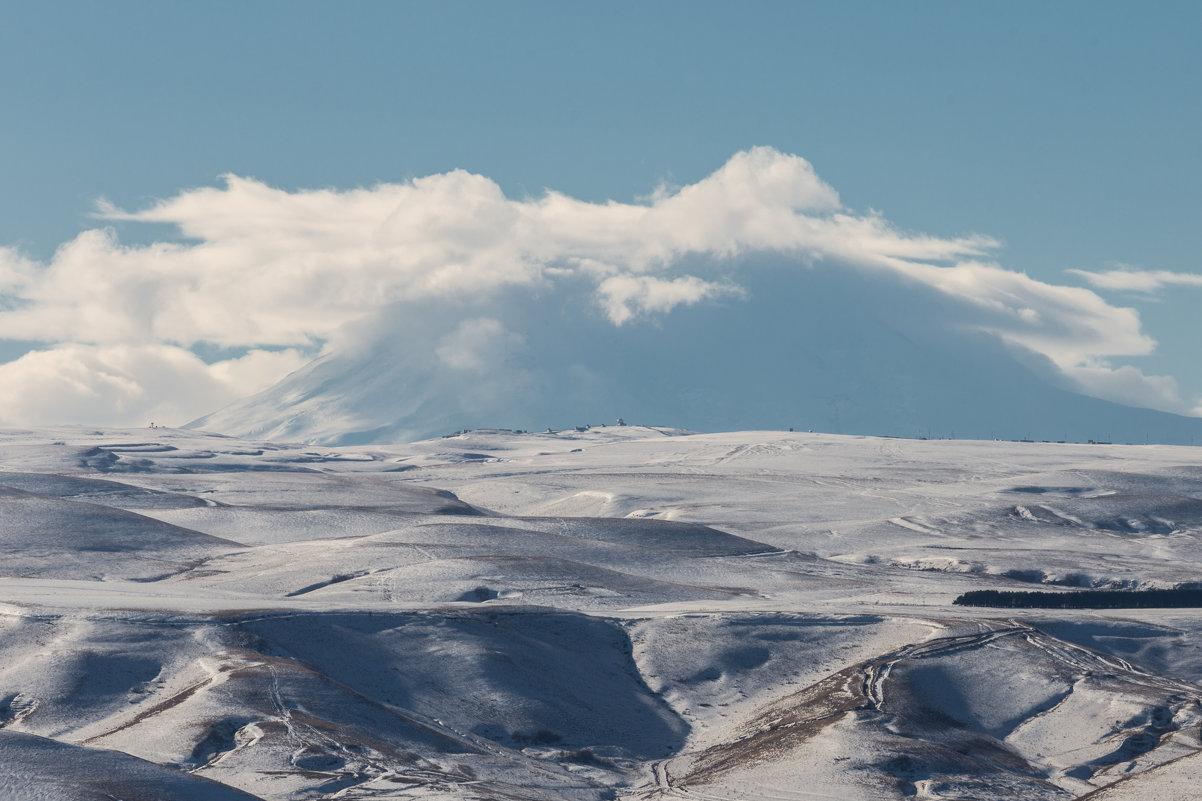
x=1084, y=599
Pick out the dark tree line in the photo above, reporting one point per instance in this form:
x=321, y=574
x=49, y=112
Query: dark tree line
x=1084, y=599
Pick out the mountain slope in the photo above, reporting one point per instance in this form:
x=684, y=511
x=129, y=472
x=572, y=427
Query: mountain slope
x=829, y=350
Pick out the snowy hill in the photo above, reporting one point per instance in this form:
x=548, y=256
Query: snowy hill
x=616, y=613
x=828, y=350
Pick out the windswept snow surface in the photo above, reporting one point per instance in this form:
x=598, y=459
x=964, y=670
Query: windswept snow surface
x=613, y=612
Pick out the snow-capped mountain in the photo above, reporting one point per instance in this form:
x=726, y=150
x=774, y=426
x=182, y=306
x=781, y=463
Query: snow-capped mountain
x=838, y=351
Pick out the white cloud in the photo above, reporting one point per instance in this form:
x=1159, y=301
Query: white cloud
x=1128, y=386
x=287, y=268
x=259, y=266
x=477, y=344
x=626, y=296
x=1069, y=325
x=1132, y=280
x=129, y=384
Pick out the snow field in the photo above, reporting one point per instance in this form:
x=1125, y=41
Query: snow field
x=626, y=612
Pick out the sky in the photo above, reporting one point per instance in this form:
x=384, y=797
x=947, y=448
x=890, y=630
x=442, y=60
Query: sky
x=195, y=199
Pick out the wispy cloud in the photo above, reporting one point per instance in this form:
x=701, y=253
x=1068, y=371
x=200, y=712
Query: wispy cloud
x=262, y=269
x=1129, y=279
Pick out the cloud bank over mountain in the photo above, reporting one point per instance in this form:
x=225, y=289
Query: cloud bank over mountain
x=261, y=279
x=831, y=350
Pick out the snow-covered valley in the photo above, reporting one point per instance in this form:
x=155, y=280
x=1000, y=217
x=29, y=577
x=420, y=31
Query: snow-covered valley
x=612, y=612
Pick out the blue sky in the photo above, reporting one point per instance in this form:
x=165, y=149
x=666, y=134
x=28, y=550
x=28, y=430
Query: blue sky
x=1068, y=132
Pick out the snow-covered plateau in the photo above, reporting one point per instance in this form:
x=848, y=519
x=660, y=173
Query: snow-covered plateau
x=597, y=613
